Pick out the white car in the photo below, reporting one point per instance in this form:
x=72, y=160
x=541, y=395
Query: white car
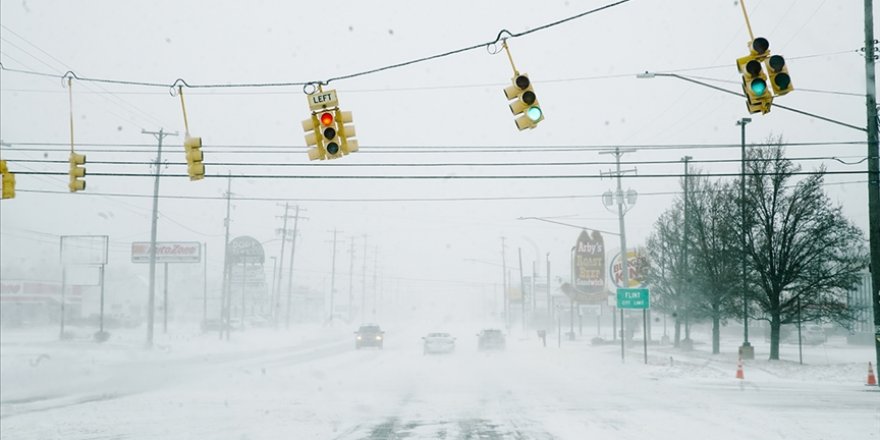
x=439, y=343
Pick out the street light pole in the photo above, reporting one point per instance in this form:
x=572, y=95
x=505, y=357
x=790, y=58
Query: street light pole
x=746, y=351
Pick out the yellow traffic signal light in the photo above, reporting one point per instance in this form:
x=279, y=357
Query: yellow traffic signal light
x=194, y=158
x=779, y=78
x=77, y=172
x=313, y=138
x=8, y=181
x=754, y=79
x=524, y=103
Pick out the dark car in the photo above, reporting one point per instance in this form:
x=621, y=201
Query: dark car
x=369, y=335
x=490, y=339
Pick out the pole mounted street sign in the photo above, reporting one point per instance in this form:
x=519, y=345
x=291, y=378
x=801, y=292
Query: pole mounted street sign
x=633, y=299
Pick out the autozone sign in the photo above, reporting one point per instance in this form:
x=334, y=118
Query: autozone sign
x=167, y=252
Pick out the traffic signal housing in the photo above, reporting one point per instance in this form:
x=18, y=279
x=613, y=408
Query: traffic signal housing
x=77, y=172
x=754, y=80
x=195, y=166
x=8, y=181
x=780, y=81
x=347, y=132
x=329, y=132
x=524, y=103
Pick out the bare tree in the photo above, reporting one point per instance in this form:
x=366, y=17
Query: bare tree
x=715, y=250
x=664, y=273
x=800, y=248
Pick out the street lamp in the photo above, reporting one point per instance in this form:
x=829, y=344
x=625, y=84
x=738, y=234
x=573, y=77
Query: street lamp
x=747, y=351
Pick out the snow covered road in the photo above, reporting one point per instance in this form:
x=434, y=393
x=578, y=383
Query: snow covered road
x=324, y=389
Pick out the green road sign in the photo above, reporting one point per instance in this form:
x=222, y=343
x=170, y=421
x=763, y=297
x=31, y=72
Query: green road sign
x=633, y=299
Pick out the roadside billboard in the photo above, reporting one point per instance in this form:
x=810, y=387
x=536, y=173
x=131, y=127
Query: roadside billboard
x=167, y=252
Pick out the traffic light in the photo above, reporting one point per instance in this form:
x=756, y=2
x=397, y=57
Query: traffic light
x=754, y=79
x=8, y=181
x=77, y=172
x=347, y=132
x=313, y=138
x=194, y=158
x=330, y=135
x=524, y=104
x=329, y=131
x=779, y=79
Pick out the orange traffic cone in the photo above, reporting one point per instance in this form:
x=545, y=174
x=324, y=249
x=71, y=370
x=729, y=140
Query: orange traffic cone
x=872, y=380
x=739, y=369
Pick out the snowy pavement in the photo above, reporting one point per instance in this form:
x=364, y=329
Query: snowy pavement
x=313, y=384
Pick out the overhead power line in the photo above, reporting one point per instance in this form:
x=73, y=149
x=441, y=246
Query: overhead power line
x=370, y=200
x=446, y=164
x=504, y=34
x=431, y=177
x=90, y=147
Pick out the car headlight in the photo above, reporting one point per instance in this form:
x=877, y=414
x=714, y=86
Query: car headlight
x=359, y=338
x=378, y=338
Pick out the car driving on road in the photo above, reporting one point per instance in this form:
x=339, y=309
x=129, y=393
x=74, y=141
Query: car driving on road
x=490, y=339
x=438, y=343
x=369, y=335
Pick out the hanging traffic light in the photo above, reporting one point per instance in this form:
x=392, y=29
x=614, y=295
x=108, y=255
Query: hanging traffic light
x=524, y=103
x=347, y=132
x=195, y=166
x=77, y=172
x=329, y=132
x=779, y=78
x=754, y=79
x=8, y=181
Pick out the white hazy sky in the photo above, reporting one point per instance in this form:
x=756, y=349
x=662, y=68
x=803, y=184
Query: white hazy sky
x=583, y=72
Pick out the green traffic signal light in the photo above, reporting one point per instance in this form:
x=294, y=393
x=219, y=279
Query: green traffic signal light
x=534, y=113
x=758, y=86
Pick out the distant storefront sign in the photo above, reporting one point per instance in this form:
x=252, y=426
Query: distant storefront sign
x=589, y=262
x=636, y=263
x=167, y=252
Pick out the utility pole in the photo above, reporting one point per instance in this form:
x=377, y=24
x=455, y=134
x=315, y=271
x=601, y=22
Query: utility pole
x=504, y=284
x=351, y=281
x=224, y=315
x=685, y=285
x=548, y=288
x=333, y=276
x=873, y=169
x=205, y=282
x=522, y=296
x=151, y=302
x=290, y=269
x=746, y=351
x=624, y=264
x=364, y=283
x=375, y=278
x=277, y=298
